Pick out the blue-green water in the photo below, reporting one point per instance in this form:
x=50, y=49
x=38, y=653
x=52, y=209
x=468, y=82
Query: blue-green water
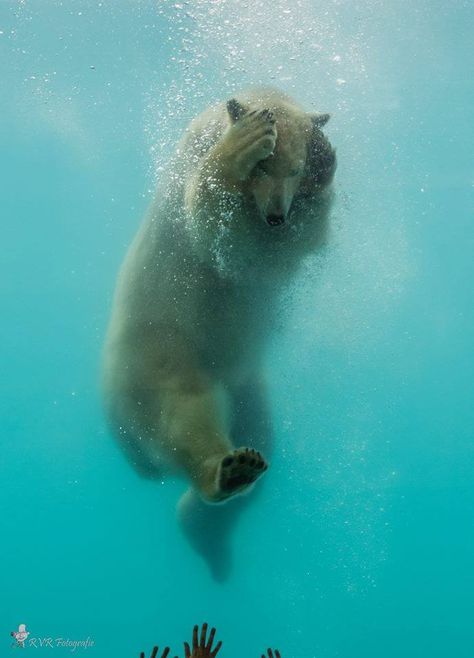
x=362, y=542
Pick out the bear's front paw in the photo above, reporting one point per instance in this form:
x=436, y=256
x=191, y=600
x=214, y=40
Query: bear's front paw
x=251, y=139
x=238, y=470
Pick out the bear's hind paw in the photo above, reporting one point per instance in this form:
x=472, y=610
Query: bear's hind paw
x=238, y=470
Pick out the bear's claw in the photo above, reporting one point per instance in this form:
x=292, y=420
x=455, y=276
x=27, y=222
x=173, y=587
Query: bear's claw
x=239, y=470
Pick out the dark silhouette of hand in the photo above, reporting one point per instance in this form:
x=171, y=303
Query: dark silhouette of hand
x=270, y=654
x=201, y=648
x=154, y=652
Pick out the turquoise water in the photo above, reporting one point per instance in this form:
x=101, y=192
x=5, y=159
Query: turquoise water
x=361, y=544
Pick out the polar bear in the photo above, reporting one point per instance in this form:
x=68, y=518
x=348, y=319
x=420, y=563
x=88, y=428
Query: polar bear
x=247, y=196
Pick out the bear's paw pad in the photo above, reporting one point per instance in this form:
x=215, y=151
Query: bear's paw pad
x=240, y=469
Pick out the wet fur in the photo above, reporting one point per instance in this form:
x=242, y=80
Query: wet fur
x=197, y=298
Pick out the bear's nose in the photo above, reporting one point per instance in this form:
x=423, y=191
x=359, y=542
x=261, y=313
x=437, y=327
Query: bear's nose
x=275, y=220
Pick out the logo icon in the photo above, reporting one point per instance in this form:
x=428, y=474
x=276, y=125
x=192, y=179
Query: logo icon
x=20, y=635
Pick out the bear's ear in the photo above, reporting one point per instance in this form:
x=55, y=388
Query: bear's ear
x=320, y=120
x=235, y=109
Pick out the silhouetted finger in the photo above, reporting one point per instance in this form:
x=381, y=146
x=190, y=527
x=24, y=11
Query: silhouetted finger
x=142, y=654
x=166, y=651
x=187, y=650
x=218, y=646
x=277, y=653
x=195, y=637
x=211, y=639
x=202, y=643
x=270, y=653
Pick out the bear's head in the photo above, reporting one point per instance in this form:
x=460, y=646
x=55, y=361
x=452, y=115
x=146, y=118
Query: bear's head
x=302, y=164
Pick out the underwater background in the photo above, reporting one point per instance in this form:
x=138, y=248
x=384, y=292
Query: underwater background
x=362, y=542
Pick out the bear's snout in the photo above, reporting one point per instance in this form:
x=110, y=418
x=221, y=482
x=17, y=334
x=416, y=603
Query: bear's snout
x=275, y=220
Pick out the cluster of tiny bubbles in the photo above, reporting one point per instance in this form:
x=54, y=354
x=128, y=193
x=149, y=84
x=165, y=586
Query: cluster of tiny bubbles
x=216, y=47
x=217, y=242
x=226, y=250
x=354, y=284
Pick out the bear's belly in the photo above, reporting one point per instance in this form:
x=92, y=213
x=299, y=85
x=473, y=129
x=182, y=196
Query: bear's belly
x=231, y=342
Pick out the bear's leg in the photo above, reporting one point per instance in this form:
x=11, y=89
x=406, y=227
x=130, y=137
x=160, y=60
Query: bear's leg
x=173, y=419
x=208, y=528
x=192, y=426
x=126, y=416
